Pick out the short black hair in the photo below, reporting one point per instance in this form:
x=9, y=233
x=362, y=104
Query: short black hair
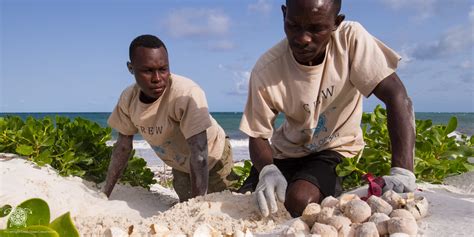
x=147, y=41
x=336, y=5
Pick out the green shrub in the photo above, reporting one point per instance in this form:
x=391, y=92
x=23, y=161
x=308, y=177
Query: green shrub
x=436, y=154
x=75, y=147
x=242, y=172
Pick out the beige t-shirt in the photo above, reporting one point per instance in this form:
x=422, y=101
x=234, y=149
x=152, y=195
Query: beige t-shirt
x=322, y=104
x=180, y=113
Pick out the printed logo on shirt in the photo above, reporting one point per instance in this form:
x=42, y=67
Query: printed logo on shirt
x=324, y=95
x=154, y=130
x=315, y=146
x=159, y=150
x=328, y=139
x=321, y=127
x=179, y=159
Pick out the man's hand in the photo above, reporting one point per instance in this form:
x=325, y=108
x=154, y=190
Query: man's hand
x=400, y=180
x=198, y=164
x=118, y=162
x=271, y=181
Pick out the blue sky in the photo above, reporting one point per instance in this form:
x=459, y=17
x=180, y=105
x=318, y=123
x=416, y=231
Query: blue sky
x=70, y=55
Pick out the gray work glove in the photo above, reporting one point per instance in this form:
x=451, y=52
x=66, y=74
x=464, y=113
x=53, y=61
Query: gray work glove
x=271, y=181
x=400, y=180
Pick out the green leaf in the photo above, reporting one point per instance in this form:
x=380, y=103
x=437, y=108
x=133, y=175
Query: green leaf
x=452, y=124
x=5, y=210
x=33, y=211
x=64, y=226
x=247, y=165
x=380, y=113
x=44, y=158
x=469, y=167
x=24, y=150
x=238, y=170
x=344, y=172
x=242, y=172
x=47, y=141
x=68, y=157
x=30, y=231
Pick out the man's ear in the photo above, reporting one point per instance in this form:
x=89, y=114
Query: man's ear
x=339, y=19
x=283, y=10
x=129, y=67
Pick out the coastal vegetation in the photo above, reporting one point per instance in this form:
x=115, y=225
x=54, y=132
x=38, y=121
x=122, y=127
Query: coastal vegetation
x=78, y=147
x=243, y=172
x=438, y=151
x=72, y=147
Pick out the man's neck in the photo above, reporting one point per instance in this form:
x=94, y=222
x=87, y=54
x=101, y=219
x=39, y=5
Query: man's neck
x=146, y=99
x=317, y=60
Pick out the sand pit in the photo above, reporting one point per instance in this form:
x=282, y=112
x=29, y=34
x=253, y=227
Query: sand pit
x=451, y=210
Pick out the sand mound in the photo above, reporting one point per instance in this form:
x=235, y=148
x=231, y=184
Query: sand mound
x=225, y=212
x=464, y=182
x=21, y=180
x=451, y=206
x=93, y=213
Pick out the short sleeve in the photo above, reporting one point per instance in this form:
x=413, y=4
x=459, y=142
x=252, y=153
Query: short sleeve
x=371, y=61
x=120, y=117
x=192, y=112
x=257, y=120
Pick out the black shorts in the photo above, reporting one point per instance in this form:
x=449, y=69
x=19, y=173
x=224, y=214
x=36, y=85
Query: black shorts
x=318, y=168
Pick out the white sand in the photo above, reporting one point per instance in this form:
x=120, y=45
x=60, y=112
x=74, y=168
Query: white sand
x=451, y=206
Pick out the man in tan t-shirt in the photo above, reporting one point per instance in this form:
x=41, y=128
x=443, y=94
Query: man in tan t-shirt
x=170, y=112
x=316, y=77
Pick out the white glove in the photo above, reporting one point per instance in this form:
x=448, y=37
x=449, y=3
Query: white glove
x=400, y=180
x=271, y=181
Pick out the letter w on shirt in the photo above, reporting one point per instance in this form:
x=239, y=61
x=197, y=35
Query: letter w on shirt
x=151, y=130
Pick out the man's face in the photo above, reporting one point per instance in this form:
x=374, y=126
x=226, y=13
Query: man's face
x=308, y=28
x=151, y=70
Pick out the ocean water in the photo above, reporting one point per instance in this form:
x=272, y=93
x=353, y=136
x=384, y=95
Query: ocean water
x=230, y=123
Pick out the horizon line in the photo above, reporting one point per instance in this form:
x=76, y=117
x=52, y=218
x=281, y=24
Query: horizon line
x=83, y=112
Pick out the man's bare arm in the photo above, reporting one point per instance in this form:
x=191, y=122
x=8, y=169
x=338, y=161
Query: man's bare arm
x=198, y=164
x=118, y=162
x=400, y=120
x=260, y=152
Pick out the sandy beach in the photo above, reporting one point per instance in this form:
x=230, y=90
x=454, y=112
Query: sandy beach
x=451, y=205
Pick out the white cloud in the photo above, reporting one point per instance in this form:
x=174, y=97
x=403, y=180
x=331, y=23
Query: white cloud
x=397, y=4
x=471, y=15
x=467, y=73
x=455, y=40
x=261, y=6
x=406, y=58
x=425, y=8
x=197, y=22
x=241, y=80
x=466, y=65
x=221, y=45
